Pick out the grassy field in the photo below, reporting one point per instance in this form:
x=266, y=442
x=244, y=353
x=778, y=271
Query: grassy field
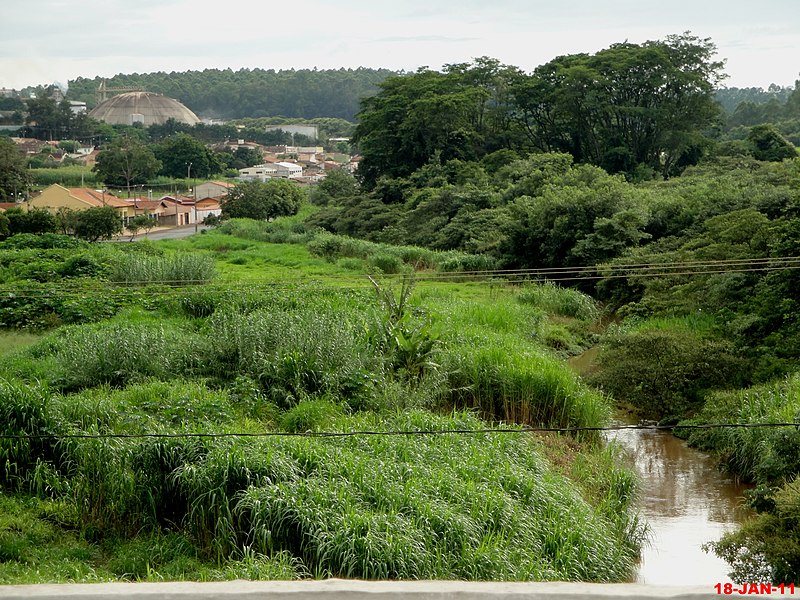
x=231, y=354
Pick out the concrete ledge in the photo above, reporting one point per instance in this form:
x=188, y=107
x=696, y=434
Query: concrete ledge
x=339, y=589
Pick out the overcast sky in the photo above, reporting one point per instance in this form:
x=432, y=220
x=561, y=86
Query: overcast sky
x=42, y=41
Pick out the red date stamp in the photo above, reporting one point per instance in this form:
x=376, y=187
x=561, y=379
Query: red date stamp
x=747, y=589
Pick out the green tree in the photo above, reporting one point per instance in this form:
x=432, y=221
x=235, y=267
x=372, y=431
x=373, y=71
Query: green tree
x=335, y=186
x=138, y=223
x=96, y=223
x=14, y=176
x=126, y=162
x=66, y=219
x=182, y=155
x=256, y=200
x=33, y=221
x=462, y=113
x=546, y=230
x=627, y=105
x=767, y=143
x=70, y=146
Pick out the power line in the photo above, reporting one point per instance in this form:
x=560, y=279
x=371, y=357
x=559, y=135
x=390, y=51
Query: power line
x=365, y=433
x=751, y=266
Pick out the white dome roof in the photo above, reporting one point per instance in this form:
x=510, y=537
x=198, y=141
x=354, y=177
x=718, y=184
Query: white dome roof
x=146, y=107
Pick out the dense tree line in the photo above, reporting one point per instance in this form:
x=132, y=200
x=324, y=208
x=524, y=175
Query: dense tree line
x=779, y=107
x=229, y=94
x=641, y=109
x=731, y=97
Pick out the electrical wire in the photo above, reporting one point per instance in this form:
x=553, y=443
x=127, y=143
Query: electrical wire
x=555, y=274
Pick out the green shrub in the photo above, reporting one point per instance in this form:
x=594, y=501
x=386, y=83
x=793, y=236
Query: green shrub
x=666, y=373
x=42, y=306
x=387, y=263
x=44, y=240
x=311, y=415
x=81, y=265
x=766, y=548
x=327, y=246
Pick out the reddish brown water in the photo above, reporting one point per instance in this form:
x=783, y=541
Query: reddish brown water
x=685, y=500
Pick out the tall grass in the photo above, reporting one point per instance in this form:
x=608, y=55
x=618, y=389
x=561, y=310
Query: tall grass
x=175, y=268
x=403, y=508
x=24, y=411
x=388, y=258
x=520, y=387
x=769, y=456
x=69, y=176
x=294, y=355
x=316, y=358
x=117, y=354
x=558, y=300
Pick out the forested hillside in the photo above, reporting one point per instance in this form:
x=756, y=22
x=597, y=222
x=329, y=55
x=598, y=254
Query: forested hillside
x=228, y=94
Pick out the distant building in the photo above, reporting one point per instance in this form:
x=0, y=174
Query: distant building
x=56, y=196
x=213, y=189
x=262, y=172
x=288, y=170
x=258, y=172
x=308, y=130
x=142, y=107
x=77, y=107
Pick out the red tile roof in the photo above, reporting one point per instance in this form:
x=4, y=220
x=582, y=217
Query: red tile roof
x=97, y=198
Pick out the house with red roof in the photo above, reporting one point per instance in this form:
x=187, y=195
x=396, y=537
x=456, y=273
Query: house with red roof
x=57, y=196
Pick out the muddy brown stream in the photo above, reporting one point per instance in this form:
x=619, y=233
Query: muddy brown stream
x=685, y=500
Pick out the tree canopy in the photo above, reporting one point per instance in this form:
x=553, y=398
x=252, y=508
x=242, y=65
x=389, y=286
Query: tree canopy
x=257, y=200
x=229, y=94
x=14, y=176
x=628, y=108
x=97, y=223
x=125, y=162
x=182, y=155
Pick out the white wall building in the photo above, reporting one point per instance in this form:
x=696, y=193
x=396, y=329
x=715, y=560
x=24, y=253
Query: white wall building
x=288, y=170
x=258, y=172
x=284, y=170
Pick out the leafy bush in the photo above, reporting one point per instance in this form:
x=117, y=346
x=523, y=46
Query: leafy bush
x=666, y=373
x=387, y=263
x=766, y=548
x=45, y=240
x=41, y=306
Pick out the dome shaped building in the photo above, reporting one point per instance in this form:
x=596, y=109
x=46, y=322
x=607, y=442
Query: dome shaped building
x=146, y=108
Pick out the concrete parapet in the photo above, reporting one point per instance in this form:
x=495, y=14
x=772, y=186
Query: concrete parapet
x=340, y=589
